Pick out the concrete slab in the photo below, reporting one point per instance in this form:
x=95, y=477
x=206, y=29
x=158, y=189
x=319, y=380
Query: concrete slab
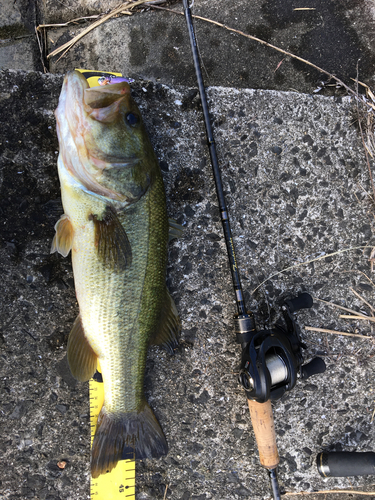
x=18, y=43
x=18, y=54
x=297, y=188
x=154, y=44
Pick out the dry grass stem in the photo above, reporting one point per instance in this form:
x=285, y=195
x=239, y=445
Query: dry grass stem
x=165, y=492
x=66, y=46
x=350, y=316
x=321, y=257
x=278, y=49
x=367, y=101
x=73, y=21
x=370, y=130
x=363, y=300
x=335, y=332
x=341, y=307
x=40, y=49
x=361, y=272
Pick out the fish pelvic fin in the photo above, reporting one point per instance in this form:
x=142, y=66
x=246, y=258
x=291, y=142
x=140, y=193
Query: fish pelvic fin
x=63, y=239
x=169, y=328
x=119, y=436
x=111, y=240
x=81, y=357
x=175, y=230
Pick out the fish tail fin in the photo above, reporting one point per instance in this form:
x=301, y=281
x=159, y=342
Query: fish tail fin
x=122, y=436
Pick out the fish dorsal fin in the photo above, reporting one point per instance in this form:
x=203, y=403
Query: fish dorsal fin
x=111, y=240
x=81, y=357
x=169, y=327
x=62, y=241
x=175, y=230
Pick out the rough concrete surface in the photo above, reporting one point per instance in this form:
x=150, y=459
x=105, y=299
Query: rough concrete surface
x=18, y=44
x=297, y=187
x=154, y=45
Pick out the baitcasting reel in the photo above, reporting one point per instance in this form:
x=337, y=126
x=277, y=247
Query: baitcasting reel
x=271, y=359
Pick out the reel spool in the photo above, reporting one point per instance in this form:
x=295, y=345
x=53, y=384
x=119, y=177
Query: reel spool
x=272, y=360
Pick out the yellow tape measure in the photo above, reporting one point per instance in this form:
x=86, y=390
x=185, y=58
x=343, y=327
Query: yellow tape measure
x=120, y=482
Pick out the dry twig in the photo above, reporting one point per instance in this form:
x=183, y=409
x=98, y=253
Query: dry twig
x=341, y=307
x=165, y=492
x=335, y=332
x=40, y=49
x=358, y=316
x=119, y=10
x=321, y=257
x=363, y=300
x=274, y=47
x=68, y=23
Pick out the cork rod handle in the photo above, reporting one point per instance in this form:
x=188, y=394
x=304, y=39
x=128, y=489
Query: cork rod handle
x=264, y=429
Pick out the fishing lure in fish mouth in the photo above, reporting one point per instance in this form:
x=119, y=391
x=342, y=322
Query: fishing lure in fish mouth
x=110, y=79
x=116, y=226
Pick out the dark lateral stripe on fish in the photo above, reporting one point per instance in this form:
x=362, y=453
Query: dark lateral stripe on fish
x=119, y=434
x=111, y=240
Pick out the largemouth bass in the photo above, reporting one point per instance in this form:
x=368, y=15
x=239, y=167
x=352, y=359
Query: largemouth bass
x=115, y=224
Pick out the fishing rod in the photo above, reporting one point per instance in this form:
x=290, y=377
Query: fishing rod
x=271, y=359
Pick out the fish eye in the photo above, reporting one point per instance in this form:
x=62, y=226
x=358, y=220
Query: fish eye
x=132, y=119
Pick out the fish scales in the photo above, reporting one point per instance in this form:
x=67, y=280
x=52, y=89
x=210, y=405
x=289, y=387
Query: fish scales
x=119, y=321
x=115, y=223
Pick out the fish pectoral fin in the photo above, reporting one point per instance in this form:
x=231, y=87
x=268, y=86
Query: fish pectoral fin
x=63, y=239
x=81, y=356
x=111, y=240
x=169, y=327
x=175, y=230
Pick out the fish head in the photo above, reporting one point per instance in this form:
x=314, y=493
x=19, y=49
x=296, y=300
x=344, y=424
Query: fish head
x=102, y=138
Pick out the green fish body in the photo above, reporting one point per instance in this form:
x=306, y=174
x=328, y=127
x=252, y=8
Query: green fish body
x=115, y=224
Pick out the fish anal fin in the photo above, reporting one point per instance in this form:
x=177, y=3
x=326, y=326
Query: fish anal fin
x=122, y=436
x=81, y=357
x=63, y=239
x=169, y=327
x=175, y=229
x=111, y=241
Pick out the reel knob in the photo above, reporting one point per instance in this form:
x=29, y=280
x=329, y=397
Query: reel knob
x=316, y=365
x=303, y=301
